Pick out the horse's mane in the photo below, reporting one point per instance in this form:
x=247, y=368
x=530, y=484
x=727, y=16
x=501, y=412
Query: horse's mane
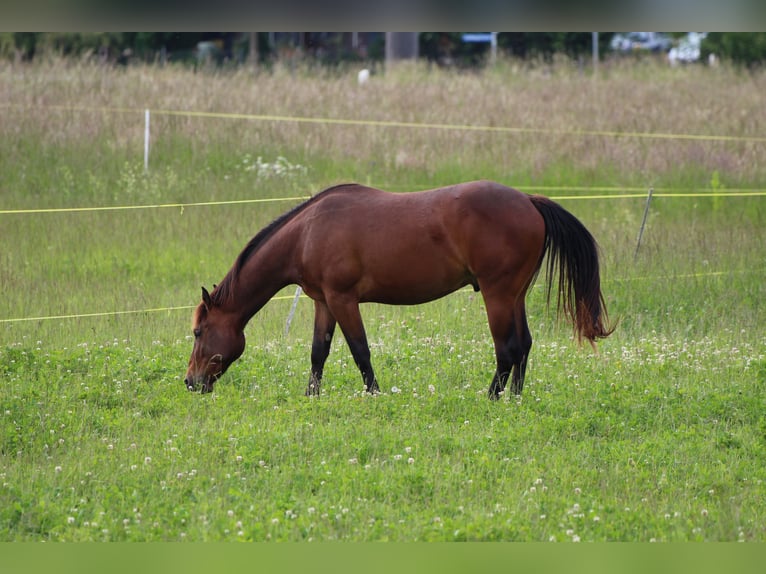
x=224, y=290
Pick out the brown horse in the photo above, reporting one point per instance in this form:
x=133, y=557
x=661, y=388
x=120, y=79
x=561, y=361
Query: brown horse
x=351, y=244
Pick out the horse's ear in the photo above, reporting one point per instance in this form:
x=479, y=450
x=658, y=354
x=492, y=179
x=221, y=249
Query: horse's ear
x=206, y=298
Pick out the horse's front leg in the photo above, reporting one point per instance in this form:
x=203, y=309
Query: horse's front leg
x=346, y=311
x=324, y=328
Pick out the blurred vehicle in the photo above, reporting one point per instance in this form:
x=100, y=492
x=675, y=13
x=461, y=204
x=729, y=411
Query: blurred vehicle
x=687, y=49
x=641, y=42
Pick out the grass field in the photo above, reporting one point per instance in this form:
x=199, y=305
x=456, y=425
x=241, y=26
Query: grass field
x=662, y=436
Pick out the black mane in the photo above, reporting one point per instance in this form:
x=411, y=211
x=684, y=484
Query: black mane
x=223, y=290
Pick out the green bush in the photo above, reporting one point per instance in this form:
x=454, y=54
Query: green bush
x=741, y=48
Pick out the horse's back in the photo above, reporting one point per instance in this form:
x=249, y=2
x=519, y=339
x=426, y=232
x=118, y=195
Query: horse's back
x=494, y=199
x=418, y=246
x=462, y=221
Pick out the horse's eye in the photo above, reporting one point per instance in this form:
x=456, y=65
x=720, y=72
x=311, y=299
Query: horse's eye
x=197, y=333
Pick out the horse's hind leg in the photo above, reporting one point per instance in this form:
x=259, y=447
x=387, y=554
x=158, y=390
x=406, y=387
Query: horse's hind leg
x=324, y=327
x=512, y=339
x=520, y=343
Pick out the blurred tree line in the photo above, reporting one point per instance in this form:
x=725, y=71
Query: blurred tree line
x=443, y=48
x=111, y=46
x=747, y=49
x=743, y=48
x=449, y=48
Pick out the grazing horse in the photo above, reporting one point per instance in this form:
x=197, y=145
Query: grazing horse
x=352, y=244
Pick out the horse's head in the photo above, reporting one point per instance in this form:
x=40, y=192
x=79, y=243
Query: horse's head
x=218, y=342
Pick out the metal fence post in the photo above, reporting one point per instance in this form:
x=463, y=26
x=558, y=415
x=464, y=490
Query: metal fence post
x=643, y=222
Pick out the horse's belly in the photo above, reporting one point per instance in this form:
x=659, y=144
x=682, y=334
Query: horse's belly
x=405, y=296
x=411, y=285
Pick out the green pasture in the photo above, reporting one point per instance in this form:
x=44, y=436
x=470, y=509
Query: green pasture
x=661, y=436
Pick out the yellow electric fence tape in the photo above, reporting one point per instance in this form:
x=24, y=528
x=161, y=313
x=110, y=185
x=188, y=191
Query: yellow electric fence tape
x=400, y=124
x=113, y=313
x=668, y=194
x=154, y=206
x=290, y=297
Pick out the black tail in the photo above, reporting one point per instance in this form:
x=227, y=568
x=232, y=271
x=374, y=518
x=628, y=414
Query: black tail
x=573, y=253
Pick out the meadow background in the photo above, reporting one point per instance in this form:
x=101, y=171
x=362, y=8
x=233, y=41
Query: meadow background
x=660, y=437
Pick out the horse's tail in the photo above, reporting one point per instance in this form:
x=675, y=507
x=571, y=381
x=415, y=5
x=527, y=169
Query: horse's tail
x=573, y=252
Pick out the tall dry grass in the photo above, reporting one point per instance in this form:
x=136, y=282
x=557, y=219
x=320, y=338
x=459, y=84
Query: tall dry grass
x=646, y=98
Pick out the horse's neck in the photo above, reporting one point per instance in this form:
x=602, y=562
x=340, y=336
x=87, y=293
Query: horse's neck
x=265, y=273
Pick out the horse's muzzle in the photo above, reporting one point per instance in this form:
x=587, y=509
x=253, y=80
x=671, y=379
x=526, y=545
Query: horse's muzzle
x=195, y=385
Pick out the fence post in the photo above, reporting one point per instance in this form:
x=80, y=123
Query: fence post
x=643, y=222
x=146, y=142
x=594, y=40
x=298, y=291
